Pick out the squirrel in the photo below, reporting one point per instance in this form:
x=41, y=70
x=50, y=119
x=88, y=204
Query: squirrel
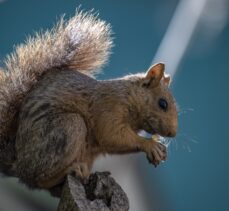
x=56, y=118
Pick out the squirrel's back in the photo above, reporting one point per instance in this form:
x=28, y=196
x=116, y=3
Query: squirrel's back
x=63, y=90
x=82, y=43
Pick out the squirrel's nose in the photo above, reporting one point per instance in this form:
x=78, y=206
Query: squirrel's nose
x=171, y=133
x=172, y=129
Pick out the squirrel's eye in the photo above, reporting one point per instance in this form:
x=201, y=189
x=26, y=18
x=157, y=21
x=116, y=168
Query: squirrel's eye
x=163, y=104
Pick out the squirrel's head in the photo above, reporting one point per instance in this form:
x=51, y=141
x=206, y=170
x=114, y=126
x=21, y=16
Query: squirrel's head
x=158, y=113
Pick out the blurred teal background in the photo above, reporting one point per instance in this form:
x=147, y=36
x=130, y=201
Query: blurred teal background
x=195, y=175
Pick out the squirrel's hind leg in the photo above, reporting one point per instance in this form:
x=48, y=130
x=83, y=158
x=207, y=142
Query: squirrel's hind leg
x=80, y=170
x=77, y=169
x=47, y=151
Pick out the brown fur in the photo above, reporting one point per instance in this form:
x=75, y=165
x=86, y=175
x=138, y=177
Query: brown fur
x=68, y=118
x=82, y=43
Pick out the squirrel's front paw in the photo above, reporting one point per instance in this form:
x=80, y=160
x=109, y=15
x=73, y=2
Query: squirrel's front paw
x=156, y=153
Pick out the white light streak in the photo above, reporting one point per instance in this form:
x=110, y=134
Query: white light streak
x=179, y=33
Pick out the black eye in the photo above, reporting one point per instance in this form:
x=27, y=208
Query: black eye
x=163, y=104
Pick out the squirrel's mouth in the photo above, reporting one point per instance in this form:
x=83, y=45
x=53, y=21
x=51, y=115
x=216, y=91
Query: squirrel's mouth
x=148, y=129
x=148, y=135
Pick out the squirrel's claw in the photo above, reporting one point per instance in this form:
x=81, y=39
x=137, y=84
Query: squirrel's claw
x=156, y=154
x=81, y=171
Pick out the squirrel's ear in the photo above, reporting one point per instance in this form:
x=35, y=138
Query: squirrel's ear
x=154, y=74
x=167, y=80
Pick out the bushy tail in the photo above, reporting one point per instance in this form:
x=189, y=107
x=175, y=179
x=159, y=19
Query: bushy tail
x=82, y=43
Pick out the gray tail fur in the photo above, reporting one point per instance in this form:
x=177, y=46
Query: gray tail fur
x=82, y=43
